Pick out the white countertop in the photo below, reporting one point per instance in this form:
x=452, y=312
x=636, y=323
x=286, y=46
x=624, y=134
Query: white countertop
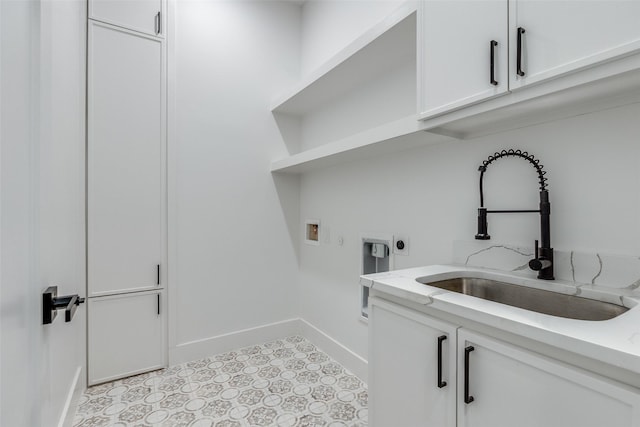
x=615, y=341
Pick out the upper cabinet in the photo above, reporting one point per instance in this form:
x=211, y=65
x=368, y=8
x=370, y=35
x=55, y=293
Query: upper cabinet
x=125, y=160
x=145, y=16
x=477, y=67
x=556, y=37
x=463, y=54
x=471, y=51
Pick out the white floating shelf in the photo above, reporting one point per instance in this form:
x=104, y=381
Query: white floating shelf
x=392, y=137
x=390, y=42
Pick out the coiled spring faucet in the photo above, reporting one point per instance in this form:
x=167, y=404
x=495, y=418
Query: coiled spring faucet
x=543, y=261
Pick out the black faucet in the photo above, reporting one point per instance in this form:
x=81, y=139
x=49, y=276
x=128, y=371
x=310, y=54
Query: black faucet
x=543, y=261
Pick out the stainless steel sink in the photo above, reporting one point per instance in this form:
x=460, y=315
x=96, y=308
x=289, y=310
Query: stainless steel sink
x=538, y=300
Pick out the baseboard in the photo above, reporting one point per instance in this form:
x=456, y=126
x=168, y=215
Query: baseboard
x=71, y=402
x=219, y=344
x=200, y=349
x=338, y=351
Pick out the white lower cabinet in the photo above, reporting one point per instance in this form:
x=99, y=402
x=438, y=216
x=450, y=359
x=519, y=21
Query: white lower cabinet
x=404, y=387
x=501, y=385
x=126, y=335
x=512, y=386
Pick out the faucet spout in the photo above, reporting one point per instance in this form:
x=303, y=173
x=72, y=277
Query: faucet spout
x=543, y=261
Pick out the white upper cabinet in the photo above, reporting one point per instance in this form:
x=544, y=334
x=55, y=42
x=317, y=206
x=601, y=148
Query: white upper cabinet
x=536, y=41
x=145, y=16
x=125, y=161
x=562, y=36
x=462, y=54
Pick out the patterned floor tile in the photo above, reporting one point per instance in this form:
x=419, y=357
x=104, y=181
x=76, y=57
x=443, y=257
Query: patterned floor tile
x=281, y=383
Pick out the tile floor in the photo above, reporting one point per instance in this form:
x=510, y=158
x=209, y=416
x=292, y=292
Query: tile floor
x=286, y=382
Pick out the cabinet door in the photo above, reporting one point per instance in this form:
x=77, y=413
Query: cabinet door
x=456, y=51
x=403, y=368
x=125, y=162
x=511, y=386
x=139, y=15
x=566, y=35
x=125, y=335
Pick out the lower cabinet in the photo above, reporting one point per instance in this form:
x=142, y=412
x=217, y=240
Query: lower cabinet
x=407, y=385
x=512, y=386
x=491, y=383
x=125, y=335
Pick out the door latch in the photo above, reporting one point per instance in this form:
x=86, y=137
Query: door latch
x=51, y=303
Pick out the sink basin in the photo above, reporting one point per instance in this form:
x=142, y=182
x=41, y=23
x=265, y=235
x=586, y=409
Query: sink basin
x=538, y=300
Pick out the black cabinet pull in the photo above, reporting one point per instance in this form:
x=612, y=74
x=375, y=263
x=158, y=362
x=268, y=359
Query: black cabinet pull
x=158, y=304
x=519, y=71
x=493, y=45
x=440, y=382
x=158, y=23
x=467, y=399
x=158, y=274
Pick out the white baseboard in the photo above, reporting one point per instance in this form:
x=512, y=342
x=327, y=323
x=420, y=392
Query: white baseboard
x=71, y=402
x=200, y=349
x=338, y=351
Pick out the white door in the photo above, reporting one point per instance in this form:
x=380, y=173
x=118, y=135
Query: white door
x=514, y=387
x=561, y=36
x=42, y=237
x=405, y=387
x=145, y=16
x=126, y=160
x=460, y=41
x=125, y=335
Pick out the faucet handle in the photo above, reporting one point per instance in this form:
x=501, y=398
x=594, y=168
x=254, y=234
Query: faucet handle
x=535, y=249
x=536, y=263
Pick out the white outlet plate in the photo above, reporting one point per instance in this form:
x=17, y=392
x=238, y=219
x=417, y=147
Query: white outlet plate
x=404, y=251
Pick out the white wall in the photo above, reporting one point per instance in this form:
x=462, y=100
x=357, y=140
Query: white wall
x=329, y=25
x=42, y=233
x=389, y=97
x=232, y=237
x=431, y=195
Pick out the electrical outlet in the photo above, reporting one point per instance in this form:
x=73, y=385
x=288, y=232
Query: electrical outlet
x=401, y=245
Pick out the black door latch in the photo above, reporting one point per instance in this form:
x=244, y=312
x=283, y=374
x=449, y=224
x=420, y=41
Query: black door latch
x=51, y=303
